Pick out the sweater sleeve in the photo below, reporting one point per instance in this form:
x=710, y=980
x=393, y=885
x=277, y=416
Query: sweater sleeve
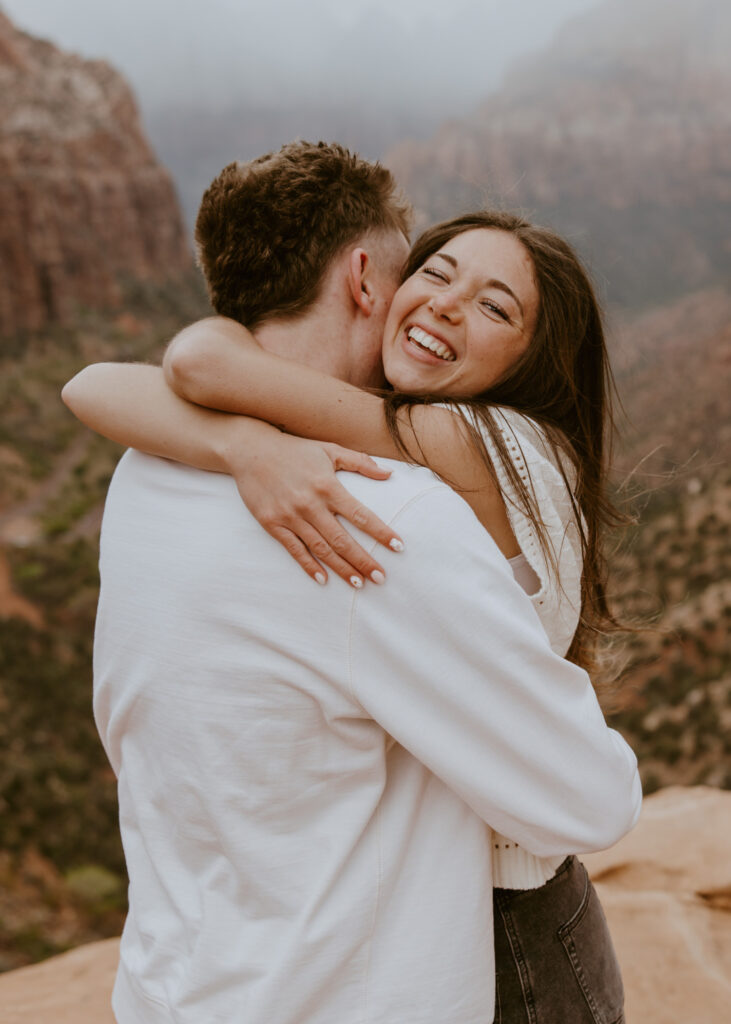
x=452, y=660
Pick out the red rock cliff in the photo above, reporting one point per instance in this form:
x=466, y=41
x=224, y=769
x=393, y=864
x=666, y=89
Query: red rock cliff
x=83, y=201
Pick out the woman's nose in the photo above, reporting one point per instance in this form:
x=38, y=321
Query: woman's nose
x=445, y=303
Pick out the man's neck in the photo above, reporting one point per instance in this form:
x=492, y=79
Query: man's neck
x=319, y=338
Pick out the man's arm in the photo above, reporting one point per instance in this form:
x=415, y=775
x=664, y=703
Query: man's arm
x=452, y=660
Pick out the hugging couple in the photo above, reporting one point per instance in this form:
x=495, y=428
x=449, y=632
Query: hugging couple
x=361, y=802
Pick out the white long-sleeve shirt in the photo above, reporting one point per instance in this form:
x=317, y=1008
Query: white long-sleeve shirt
x=289, y=862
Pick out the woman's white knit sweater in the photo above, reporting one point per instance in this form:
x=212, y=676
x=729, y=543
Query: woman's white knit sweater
x=557, y=597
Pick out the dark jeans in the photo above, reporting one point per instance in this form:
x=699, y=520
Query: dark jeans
x=554, y=957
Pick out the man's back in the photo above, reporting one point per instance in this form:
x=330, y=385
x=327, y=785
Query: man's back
x=305, y=773
x=288, y=862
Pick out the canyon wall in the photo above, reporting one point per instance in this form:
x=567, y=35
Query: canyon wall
x=84, y=203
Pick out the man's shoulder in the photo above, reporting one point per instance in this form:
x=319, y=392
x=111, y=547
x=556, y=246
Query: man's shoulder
x=147, y=485
x=138, y=466
x=158, y=495
x=414, y=499
x=150, y=475
x=406, y=484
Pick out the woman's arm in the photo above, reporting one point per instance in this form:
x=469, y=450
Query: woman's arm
x=288, y=483
x=130, y=403
x=217, y=363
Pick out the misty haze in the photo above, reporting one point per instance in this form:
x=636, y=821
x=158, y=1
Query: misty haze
x=230, y=79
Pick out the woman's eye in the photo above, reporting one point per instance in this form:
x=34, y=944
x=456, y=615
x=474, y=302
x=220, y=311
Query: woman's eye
x=434, y=272
x=492, y=305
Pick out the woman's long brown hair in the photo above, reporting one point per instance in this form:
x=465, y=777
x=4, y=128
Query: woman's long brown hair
x=563, y=382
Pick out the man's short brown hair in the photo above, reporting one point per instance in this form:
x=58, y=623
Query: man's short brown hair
x=267, y=230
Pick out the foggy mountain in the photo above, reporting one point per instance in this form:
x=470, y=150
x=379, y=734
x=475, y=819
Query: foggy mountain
x=618, y=135
x=223, y=79
x=613, y=125
x=403, y=53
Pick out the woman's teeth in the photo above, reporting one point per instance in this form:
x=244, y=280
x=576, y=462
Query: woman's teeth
x=424, y=340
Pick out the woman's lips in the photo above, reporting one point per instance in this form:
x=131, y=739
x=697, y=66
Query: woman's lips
x=427, y=348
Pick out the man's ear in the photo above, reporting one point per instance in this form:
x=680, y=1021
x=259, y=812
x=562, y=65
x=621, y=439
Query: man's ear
x=360, y=275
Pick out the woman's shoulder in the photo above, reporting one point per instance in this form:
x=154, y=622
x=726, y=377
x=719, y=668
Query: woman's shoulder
x=520, y=430
x=527, y=443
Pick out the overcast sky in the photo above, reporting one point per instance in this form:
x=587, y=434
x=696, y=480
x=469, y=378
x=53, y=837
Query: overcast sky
x=442, y=53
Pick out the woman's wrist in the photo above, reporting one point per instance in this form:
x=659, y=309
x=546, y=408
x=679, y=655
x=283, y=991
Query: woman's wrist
x=242, y=442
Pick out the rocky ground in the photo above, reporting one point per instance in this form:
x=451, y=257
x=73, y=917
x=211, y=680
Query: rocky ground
x=666, y=890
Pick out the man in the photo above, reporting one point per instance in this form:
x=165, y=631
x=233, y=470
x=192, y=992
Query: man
x=306, y=774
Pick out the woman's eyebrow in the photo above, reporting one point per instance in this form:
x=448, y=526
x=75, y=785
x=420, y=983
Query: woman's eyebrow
x=491, y=283
x=501, y=286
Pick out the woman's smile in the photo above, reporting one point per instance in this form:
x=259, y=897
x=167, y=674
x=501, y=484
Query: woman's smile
x=464, y=318
x=427, y=346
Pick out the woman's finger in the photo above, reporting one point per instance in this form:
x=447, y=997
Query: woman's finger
x=361, y=516
x=346, y=547
x=299, y=552
x=355, y=462
x=328, y=548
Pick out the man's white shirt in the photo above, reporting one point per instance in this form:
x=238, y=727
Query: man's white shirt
x=306, y=773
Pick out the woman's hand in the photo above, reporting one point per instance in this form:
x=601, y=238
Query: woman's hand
x=290, y=487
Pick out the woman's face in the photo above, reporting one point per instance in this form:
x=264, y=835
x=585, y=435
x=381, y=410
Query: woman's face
x=464, y=318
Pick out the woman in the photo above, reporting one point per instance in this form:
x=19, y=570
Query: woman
x=495, y=350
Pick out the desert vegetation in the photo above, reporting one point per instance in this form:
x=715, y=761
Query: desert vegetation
x=62, y=877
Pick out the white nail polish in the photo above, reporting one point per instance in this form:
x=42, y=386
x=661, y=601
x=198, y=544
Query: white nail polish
x=356, y=582
x=320, y=579
x=377, y=576
x=395, y=545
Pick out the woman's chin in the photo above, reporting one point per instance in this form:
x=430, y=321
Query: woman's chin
x=411, y=380
x=407, y=385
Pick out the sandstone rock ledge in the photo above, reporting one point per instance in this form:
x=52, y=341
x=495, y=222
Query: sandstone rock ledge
x=666, y=889
x=74, y=988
